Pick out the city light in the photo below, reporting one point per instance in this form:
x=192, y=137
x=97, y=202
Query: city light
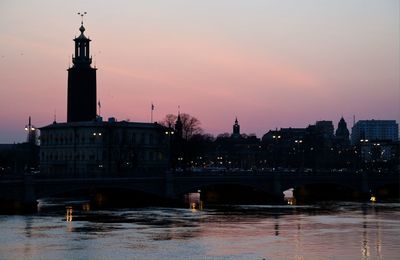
x=68, y=215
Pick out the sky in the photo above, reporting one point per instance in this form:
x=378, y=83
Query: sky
x=271, y=63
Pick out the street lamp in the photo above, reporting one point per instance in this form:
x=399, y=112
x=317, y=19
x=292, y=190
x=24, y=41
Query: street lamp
x=169, y=133
x=275, y=139
x=220, y=160
x=363, y=146
x=97, y=135
x=298, y=143
x=31, y=139
x=31, y=132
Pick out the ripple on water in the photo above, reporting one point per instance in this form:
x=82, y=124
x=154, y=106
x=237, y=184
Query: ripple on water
x=343, y=230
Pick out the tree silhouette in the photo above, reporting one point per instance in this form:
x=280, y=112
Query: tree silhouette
x=190, y=124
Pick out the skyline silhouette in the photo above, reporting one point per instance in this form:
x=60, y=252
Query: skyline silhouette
x=270, y=64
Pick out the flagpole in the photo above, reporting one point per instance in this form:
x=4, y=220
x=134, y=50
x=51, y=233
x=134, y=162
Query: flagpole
x=99, y=105
x=151, y=108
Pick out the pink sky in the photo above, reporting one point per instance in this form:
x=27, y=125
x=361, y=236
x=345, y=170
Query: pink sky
x=270, y=63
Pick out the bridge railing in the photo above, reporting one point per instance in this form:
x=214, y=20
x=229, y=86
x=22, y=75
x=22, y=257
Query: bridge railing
x=205, y=173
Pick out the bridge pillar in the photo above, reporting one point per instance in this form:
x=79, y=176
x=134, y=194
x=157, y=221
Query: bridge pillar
x=365, y=189
x=276, y=188
x=29, y=199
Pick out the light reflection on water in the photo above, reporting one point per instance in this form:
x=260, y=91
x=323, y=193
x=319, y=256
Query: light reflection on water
x=337, y=230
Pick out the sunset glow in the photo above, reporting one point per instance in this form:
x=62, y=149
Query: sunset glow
x=270, y=63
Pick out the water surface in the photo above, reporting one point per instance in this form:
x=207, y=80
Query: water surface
x=321, y=231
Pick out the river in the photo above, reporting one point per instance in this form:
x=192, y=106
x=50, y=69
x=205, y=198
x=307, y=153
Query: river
x=71, y=230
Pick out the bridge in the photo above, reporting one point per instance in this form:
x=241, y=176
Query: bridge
x=241, y=187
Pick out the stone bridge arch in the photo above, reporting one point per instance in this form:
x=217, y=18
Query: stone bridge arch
x=324, y=189
x=388, y=190
x=123, y=190
x=230, y=192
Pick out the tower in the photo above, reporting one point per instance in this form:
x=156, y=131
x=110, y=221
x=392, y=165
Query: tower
x=179, y=127
x=236, y=129
x=342, y=133
x=81, y=104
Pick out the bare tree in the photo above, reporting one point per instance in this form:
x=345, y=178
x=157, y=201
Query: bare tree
x=190, y=124
x=169, y=120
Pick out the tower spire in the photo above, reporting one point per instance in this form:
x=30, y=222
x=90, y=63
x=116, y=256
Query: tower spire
x=236, y=129
x=179, y=125
x=82, y=54
x=81, y=81
x=82, y=15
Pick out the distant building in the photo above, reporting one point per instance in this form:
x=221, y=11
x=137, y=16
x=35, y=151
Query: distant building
x=325, y=128
x=379, y=151
x=342, y=133
x=86, y=145
x=375, y=130
x=99, y=147
x=23, y=157
x=284, y=147
x=236, y=129
x=285, y=135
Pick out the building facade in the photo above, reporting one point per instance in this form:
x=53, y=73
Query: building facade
x=103, y=148
x=88, y=146
x=375, y=130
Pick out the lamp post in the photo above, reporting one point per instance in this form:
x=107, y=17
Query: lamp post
x=31, y=132
x=169, y=133
x=32, y=142
x=298, y=143
x=275, y=139
x=363, y=143
x=96, y=136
